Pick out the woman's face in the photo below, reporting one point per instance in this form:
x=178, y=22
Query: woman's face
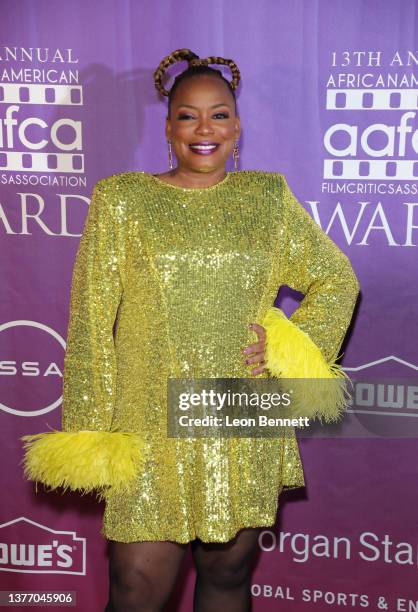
x=202, y=126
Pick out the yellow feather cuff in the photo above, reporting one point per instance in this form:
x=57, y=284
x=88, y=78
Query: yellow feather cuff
x=83, y=461
x=291, y=353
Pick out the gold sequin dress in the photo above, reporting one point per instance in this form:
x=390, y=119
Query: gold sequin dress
x=165, y=283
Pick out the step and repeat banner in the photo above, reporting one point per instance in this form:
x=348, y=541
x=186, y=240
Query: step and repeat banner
x=329, y=97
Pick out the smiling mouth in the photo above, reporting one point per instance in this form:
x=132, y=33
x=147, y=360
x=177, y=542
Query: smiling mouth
x=204, y=148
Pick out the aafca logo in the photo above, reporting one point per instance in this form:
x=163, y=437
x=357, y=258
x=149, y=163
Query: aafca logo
x=28, y=547
x=39, y=126
x=376, y=93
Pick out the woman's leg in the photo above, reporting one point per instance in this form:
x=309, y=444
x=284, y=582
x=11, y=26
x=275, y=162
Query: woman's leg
x=224, y=573
x=142, y=574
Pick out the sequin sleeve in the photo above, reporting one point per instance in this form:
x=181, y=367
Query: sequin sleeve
x=97, y=284
x=315, y=266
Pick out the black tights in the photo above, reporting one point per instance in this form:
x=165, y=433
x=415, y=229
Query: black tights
x=143, y=574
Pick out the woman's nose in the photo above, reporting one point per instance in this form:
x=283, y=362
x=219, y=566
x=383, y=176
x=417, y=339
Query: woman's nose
x=204, y=127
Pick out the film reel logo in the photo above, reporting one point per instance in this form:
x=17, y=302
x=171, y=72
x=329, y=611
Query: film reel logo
x=16, y=94
x=397, y=135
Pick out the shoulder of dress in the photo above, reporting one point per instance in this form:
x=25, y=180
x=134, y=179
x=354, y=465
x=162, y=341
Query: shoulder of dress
x=262, y=181
x=119, y=192
x=261, y=176
x=120, y=179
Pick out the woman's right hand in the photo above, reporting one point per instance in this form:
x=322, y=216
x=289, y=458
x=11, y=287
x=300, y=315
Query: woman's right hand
x=258, y=348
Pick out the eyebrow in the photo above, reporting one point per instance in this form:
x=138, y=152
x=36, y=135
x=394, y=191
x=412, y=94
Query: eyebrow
x=195, y=107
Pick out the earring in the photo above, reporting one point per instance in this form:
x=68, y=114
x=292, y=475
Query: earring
x=170, y=155
x=235, y=155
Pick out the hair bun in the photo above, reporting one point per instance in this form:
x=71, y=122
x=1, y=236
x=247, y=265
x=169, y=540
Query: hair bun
x=193, y=60
x=176, y=56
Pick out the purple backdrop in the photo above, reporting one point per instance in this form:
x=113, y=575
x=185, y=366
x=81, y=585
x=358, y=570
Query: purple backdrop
x=328, y=98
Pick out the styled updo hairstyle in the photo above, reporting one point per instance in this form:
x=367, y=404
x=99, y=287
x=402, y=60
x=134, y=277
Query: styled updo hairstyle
x=196, y=66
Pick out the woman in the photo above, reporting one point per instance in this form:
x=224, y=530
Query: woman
x=187, y=264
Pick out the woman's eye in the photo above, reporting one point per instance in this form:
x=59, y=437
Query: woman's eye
x=217, y=115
